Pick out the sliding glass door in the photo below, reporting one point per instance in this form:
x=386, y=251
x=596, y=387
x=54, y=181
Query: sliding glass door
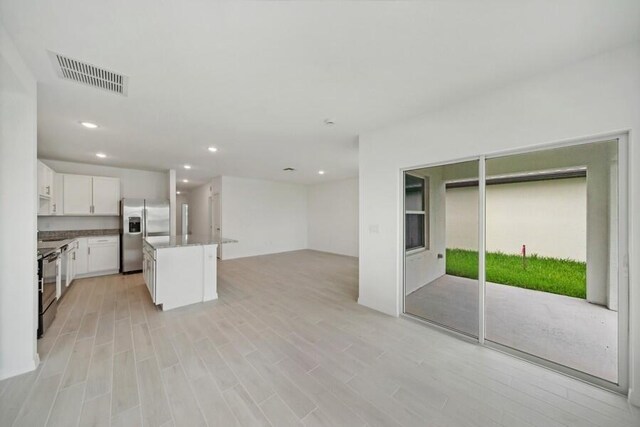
x=547, y=226
x=552, y=245
x=441, y=245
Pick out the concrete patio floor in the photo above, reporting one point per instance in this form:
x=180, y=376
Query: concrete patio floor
x=565, y=330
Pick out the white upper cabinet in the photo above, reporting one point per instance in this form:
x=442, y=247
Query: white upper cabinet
x=57, y=202
x=91, y=195
x=106, y=196
x=67, y=194
x=45, y=181
x=78, y=194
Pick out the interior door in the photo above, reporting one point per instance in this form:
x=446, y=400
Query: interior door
x=184, y=217
x=78, y=191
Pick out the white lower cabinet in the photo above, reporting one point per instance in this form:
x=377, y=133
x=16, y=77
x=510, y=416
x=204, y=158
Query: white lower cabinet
x=72, y=262
x=181, y=275
x=98, y=255
x=103, y=254
x=82, y=257
x=149, y=270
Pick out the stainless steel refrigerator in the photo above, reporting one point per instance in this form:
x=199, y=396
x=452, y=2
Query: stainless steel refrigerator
x=140, y=218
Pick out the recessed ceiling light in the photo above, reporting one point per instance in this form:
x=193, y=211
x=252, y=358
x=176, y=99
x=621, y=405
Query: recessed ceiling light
x=329, y=122
x=321, y=172
x=187, y=166
x=89, y=125
x=185, y=180
x=101, y=155
x=212, y=149
x=177, y=192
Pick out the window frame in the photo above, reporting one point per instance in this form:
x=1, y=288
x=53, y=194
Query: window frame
x=425, y=214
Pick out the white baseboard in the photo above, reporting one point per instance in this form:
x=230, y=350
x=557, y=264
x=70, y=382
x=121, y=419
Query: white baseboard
x=634, y=397
x=100, y=273
x=363, y=302
x=19, y=370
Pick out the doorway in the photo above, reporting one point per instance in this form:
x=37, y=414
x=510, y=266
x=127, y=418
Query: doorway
x=215, y=220
x=522, y=252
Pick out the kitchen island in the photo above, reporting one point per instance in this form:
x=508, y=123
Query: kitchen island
x=181, y=270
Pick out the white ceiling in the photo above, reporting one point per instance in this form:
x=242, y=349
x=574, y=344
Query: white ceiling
x=257, y=79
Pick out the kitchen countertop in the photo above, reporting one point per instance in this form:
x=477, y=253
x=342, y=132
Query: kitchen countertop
x=51, y=241
x=163, y=242
x=48, y=247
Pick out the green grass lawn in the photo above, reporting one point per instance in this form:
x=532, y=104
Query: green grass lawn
x=557, y=276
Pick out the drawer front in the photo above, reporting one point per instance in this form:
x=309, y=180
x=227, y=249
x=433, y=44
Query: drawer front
x=102, y=240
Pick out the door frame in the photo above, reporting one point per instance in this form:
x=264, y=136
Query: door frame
x=622, y=138
x=213, y=214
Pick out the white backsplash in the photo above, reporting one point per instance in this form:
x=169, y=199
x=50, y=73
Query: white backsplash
x=58, y=223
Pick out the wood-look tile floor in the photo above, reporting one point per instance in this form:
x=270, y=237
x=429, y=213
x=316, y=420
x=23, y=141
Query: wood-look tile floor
x=285, y=344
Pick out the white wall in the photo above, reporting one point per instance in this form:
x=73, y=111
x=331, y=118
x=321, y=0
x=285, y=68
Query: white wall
x=594, y=97
x=57, y=223
x=199, y=200
x=134, y=183
x=18, y=198
x=270, y=217
x=550, y=217
x=264, y=216
x=332, y=210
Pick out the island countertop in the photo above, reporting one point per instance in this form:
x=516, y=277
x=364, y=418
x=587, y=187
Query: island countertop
x=163, y=242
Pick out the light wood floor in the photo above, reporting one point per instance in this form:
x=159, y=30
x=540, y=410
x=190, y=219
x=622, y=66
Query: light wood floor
x=286, y=344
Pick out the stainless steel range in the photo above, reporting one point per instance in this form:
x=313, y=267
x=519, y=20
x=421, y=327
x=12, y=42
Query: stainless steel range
x=48, y=278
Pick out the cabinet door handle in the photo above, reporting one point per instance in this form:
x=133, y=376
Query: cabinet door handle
x=48, y=189
x=74, y=256
x=89, y=250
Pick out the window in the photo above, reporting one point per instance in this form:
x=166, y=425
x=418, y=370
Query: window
x=416, y=205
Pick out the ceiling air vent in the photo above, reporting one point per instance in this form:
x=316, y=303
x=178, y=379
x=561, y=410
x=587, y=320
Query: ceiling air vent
x=82, y=72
